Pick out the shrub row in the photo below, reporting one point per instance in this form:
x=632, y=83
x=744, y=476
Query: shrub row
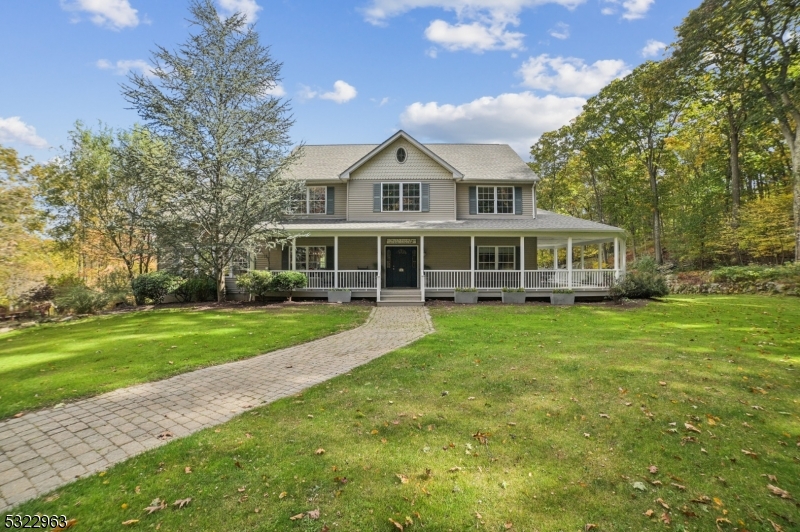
x=259, y=282
x=153, y=287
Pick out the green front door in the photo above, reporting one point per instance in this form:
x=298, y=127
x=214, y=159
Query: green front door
x=401, y=267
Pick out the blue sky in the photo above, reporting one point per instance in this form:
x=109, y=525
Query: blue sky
x=355, y=71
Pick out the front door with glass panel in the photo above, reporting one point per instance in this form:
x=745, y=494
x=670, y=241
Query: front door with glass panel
x=401, y=267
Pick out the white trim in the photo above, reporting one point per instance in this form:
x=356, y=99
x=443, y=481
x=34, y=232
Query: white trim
x=380, y=269
x=616, y=256
x=421, y=259
x=401, y=183
x=405, y=155
x=335, y=261
x=413, y=142
x=569, y=261
x=521, y=261
x=472, y=261
x=308, y=203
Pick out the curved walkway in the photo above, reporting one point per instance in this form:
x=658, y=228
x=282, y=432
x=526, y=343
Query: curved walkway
x=49, y=448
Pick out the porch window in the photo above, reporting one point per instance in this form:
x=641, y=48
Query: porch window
x=496, y=257
x=310, y=258
x=495, y=200
x=396, y=197
x=240, y=263
x=310, y=201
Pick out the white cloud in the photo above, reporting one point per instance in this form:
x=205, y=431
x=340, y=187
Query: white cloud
x=561, y=31
x=123, y=66
x=475, y=36
x=517, y=119
x=632, y=9
x=570, y=75
x=379, y=11
x=277, y=91
x=248, y=8
x=14, y=130
x=481, y=25
x=653, y=48
x=342, y=92
x=112, y=14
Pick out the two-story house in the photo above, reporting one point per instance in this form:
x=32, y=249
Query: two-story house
x=402, y=221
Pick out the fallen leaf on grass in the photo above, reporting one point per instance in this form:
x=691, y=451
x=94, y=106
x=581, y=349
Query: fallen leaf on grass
x=605, y=416
x=70, y=524
x=649, y=513
x=679, y=486
x=187, y=470
x=396, y=524
x=751, y=454
x=19, y=414
x=403, y=478
x=130, y=522
x=692, y=428
x=454, y=469
x=775, y=490
x=508, y=525
x=320, y=451
x=237, y=464
x=656, y=483
x=296, y=517
x=662, y=503
x=240, y=490
x=687, y=512
x=662, y=383
x=721, y=520
x=589, y=526
x=180, y=503
x=653, y=469
x=282, y=495
x=639, y=486
x=313, y=514
x=771, y=478
x=775, y=526
x=702, y=499
x=478, y=515
x=156, y=505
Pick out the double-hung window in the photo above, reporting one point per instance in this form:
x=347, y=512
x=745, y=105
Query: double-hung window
x=496, y=257
x=495, y=200
x=312, y=200
x=397, y=197
x=310, y=258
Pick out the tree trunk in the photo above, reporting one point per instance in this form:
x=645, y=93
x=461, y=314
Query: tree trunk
x=796, y=203
x=736, y=184
x=220, y=275
x=656, y=214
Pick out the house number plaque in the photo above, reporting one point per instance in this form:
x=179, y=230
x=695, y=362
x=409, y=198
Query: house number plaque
x=401, y=241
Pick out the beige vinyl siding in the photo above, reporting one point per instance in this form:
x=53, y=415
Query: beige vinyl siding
x=531, y=243
x=418, y=166
x=339, y=202
x=441, y=203
x=384, y=168
x=462, y=202
x=356, y=252
x=268, y=259
x=446, y=253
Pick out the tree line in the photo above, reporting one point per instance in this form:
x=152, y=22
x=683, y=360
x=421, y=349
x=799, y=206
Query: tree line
x=697, y=156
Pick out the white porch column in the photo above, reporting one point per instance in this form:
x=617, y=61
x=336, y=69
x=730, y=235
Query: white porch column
x=555, y=258
x=623, y=245
x=472, y=262
x=569, y=262
x=293, y=263
x=522, y=262
x=422, y=266
x=336, y=261
x=583, y=255
x=378, y=284
x=616, y=257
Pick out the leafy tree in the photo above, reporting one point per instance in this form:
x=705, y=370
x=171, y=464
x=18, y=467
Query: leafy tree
x=757, y=40
x=209, y=101
x=100, y=199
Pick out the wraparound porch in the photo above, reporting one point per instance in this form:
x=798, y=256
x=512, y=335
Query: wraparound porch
x=435, y=266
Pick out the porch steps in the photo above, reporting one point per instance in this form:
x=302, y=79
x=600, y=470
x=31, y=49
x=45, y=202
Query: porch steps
x=401, y=298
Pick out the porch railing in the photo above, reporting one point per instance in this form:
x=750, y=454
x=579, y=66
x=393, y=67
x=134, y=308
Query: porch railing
x=358, y=279
x=497, y=279
x=447, y=279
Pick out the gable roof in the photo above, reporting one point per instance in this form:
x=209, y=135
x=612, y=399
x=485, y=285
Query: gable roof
x=475, y=162
x=400, y=134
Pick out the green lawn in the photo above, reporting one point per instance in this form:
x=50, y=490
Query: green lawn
x=551, y=416
x=56, y=362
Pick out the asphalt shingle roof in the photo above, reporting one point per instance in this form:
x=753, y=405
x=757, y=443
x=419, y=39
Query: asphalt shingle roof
x=477, y=162
x=544, y=221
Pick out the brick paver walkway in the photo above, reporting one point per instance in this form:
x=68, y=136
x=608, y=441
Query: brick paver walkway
x=49, y=448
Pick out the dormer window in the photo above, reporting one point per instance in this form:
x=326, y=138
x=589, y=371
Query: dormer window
x=495, y=200
x=401, y=155
x=396, y=197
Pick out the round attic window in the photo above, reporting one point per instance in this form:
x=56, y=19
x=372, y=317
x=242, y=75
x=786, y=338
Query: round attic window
x=401, y=155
